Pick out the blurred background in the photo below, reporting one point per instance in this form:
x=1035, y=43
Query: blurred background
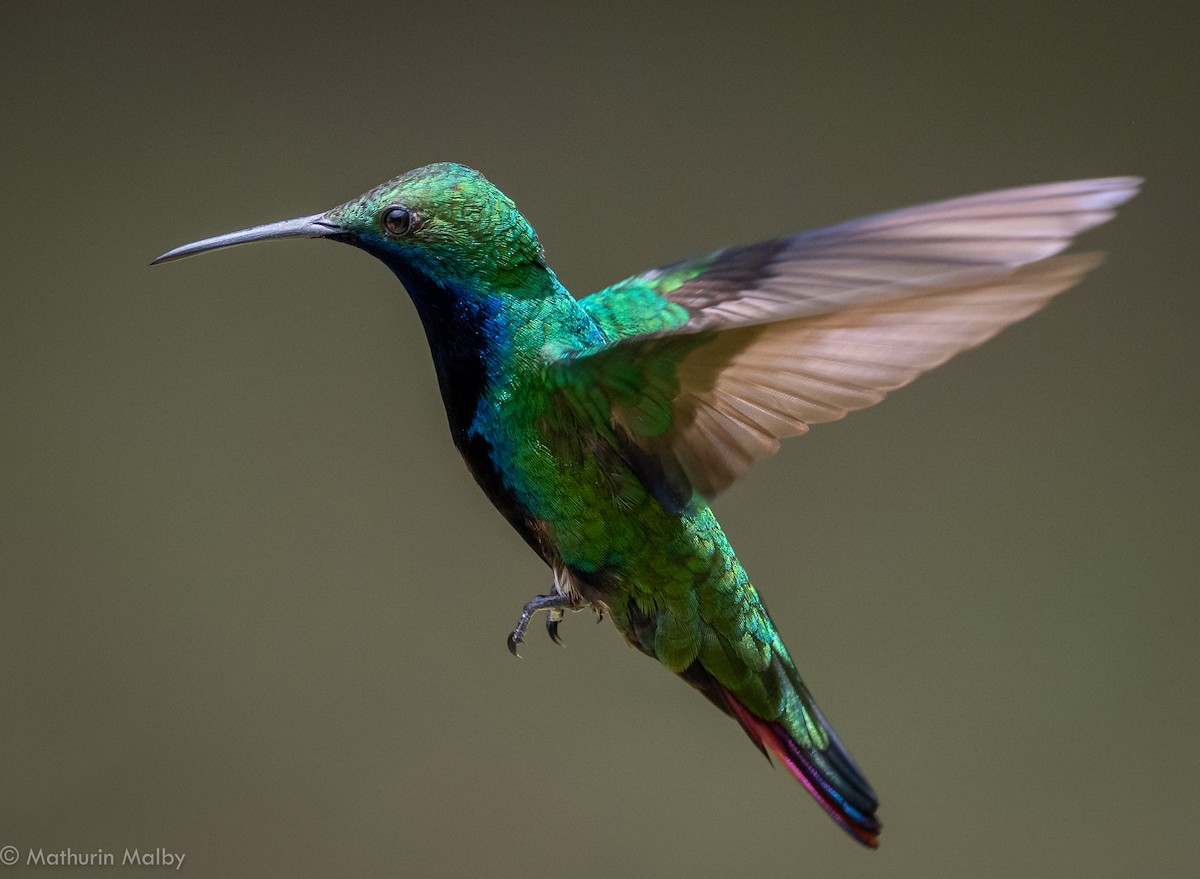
x=253, y=608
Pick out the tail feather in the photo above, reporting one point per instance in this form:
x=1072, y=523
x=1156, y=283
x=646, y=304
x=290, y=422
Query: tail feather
x=829, y=774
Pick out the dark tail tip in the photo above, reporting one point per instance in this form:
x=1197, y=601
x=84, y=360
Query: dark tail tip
x=829, y=775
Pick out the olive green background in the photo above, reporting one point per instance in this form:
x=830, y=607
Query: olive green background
x=253, y=608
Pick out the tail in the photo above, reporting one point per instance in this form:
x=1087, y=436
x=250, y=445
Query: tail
x=803, y=741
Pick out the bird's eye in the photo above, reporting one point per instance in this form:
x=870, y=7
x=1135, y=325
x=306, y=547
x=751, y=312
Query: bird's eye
x=399, y=221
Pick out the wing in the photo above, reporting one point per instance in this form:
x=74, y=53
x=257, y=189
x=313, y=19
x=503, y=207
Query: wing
x=712, y=361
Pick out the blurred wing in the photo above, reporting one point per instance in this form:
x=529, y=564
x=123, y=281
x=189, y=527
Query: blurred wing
x=713, y=360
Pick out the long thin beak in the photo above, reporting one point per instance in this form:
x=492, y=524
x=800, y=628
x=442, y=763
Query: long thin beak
x=315, y=226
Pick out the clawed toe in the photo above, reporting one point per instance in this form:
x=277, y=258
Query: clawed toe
x=555, y=604
x=552, y=620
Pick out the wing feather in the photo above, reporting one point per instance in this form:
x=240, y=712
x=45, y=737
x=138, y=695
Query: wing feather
x=849, y=360
x=752, y=344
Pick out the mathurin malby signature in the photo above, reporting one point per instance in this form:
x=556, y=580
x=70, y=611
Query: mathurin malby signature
x=137, y=857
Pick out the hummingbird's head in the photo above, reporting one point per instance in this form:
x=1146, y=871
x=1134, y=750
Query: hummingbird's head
x=444, y=222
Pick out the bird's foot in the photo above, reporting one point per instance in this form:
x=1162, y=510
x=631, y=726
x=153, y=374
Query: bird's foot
x=555, y=604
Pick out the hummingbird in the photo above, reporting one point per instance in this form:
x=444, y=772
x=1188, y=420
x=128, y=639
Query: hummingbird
x=601, y=427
